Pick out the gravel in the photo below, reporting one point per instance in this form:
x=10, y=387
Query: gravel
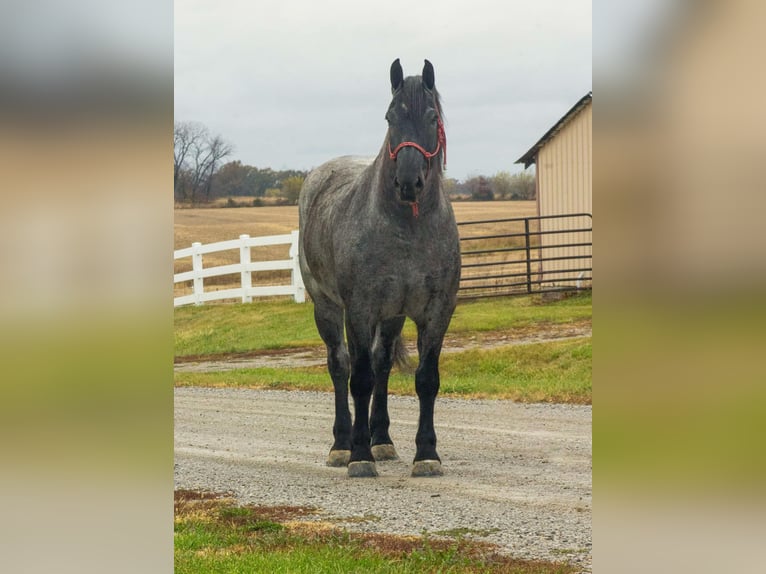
x=516, y=475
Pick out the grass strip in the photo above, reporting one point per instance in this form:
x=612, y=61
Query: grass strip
x=556, y=371
x=213, y=534
x=265, y=325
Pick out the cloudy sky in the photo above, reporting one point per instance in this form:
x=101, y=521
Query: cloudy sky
x=293, y=83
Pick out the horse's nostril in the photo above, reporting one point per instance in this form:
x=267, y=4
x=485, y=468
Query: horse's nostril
x=396, y=181
x=419, y=183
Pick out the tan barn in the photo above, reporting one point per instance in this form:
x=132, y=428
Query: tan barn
x=564, y=185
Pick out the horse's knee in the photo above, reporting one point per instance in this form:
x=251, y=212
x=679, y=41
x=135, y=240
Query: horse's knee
x=361, y=385
x=427, y=382
x=362, y=379
x=338, y=363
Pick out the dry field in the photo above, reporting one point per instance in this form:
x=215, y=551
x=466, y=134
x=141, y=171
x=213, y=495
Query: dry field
x=208, y=225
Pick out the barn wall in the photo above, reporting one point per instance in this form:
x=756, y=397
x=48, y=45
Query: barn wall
x=565, y=182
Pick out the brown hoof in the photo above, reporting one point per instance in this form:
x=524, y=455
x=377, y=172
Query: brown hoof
x=361, y=469
x=384, y=452
x=338, y=457
x=427, y=468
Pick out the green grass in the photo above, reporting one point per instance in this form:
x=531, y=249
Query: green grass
x=241, y=328
x=558, y=371
x=237, y=328
x=555, y=371
x=214, y=535
x=499, y=314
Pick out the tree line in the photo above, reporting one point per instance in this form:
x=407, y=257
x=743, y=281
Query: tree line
x=501, y=186
x=200, y=175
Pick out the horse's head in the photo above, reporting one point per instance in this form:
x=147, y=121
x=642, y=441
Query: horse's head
x=415, y=132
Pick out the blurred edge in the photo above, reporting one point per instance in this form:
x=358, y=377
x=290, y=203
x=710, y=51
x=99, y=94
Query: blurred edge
x=679, y=379
x=86, y=228
x=86, y=115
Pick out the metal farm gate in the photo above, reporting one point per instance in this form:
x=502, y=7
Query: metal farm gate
x=525, y=255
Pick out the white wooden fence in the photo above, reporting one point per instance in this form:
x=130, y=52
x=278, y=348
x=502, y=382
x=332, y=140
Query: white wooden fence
x=245, y=267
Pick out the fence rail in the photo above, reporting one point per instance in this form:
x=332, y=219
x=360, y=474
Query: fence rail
x=537, y=255
x=246, y=267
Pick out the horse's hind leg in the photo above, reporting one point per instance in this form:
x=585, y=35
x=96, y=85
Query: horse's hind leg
x=329, y=321
x=383, y=351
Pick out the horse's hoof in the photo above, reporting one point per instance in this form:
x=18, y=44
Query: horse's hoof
x=361, y=469
x=338, y=457
x=427, y=468
x=384, y=452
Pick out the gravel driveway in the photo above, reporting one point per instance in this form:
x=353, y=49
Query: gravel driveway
x=515, y=475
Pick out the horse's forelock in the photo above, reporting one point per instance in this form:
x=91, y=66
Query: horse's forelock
x=417, y=98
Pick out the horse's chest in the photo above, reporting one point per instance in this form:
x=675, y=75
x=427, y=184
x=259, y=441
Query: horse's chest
x=406, y=278
x=392, y=273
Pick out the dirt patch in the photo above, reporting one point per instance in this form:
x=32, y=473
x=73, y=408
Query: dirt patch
x=315, y=356
x=294, y=353
x=524, y=335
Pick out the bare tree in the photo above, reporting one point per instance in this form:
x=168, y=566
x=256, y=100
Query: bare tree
x=196, y=157
x=217, y=149
x=186, y=140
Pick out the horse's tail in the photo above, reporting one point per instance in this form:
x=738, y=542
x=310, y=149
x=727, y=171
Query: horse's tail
x=401, y=357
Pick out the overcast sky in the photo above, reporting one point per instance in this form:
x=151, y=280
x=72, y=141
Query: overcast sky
x=293, y=83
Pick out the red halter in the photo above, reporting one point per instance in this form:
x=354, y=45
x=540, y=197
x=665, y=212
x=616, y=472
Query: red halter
x=441, y=143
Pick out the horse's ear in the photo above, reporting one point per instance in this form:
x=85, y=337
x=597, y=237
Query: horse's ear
x=397, y=75
x=428, y=76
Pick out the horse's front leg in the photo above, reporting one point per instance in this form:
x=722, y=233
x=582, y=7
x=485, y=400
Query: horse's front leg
x=361, y=463
x=384, y=348
x=427, y=461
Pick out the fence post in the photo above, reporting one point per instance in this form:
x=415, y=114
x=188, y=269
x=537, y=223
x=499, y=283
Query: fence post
x=197, y=270
x=529, y=255
x=296, y=279
x=244, y=261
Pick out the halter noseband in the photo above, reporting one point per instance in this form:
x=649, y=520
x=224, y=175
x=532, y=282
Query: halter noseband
x=441, y=143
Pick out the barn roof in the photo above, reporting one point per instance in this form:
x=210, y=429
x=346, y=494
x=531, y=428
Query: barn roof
x=530, y=157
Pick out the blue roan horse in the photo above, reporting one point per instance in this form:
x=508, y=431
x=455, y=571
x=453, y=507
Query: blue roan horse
x=379, y=243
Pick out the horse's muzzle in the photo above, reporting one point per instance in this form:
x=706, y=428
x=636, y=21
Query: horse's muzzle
x=410, y=188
